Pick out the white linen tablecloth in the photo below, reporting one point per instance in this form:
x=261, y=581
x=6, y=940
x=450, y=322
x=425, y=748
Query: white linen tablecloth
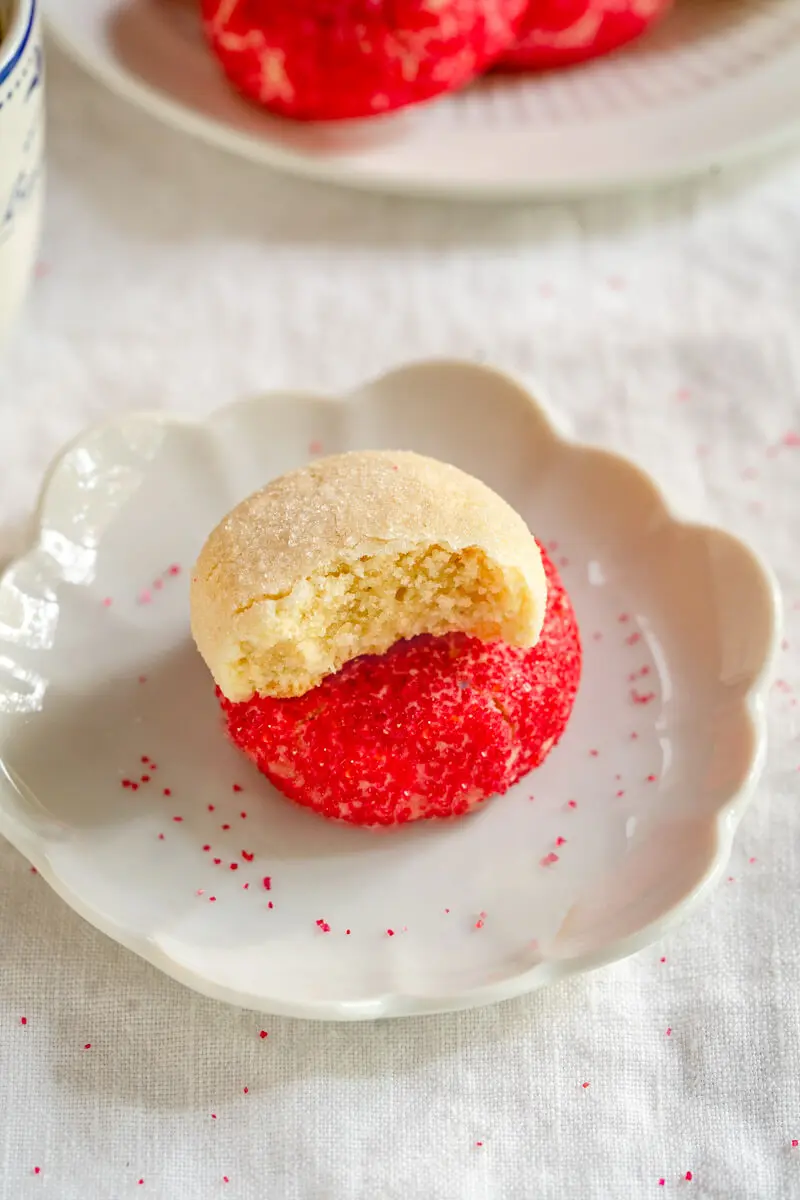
x=175, y=276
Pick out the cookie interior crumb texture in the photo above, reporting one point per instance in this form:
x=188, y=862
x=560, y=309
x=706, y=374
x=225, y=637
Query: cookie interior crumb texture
x=351, y=554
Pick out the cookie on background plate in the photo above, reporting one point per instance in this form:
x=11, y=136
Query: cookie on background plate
x=561, y=33
x=326, y=60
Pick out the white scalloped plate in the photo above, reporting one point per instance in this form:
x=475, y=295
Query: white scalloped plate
x=100, y=684
x=718, y=80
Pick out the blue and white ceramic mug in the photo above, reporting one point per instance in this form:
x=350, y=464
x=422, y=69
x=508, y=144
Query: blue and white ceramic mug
x=21, y=151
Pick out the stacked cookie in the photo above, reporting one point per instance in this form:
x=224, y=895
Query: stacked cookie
x=388, y=640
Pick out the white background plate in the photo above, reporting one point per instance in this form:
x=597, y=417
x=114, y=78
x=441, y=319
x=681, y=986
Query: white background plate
x=99, y=680
x=719, y=79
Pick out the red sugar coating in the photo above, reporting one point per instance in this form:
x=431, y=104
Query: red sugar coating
x=262, y=1033
x=23, y=1020
x=335, y=59
x=688, y=1177
x=429, y=729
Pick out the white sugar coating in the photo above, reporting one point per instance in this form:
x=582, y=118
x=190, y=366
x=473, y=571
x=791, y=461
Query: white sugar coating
x=350, y=554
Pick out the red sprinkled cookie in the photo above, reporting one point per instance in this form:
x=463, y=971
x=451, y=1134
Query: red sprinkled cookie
x=430, y=729
x=559, y=33
x=323, y=60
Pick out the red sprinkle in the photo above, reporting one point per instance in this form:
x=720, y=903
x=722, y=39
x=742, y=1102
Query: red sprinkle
x=213, y=1116
x=177, y=818
x=145, y=779
x=585, y=1084
x=247, y=856
x=174, y=569
x=145, y=758
x=217, y=861
x=347, y=932
x=794, y=1143
x=211, y=808
x=212, y=899
x=226, y=827
x=23, y=1020
x=642, y=697
x=88, y=1046
x=669, y=1031
x=167, y=791
x=572, y=804
x=161, y=837
x=561, y=841
x=237, y=787
x=267, y=882
x=323, y=925
x=688, y=1177
x=36, y=1170
x=594, y=753
x=549, y=859
x=651, y=778
x=632, y=639
x=270, y=904
x=663, y=958
x=390, y=933
x=206, y=847
x=661, y=1183
x=234, y=866
x=140, y=1181
x=262, y=1033
x=245, y=1090
x=243, y=815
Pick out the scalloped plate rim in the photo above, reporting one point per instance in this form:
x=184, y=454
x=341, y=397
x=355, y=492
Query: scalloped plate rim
x=726, y=819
